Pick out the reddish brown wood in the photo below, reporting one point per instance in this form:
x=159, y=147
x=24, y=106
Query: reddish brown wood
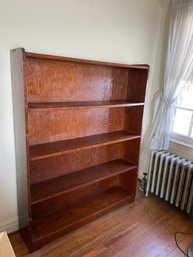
x=47, y=150
x=74, y=82
x=45, y=57
x=137, y=85
x=58, y=203
x=57, y=186
x=127, y=179
x=81, y=118
x=95, y=104
x=132, y=151
x=48, y=168
x=133, y=119
x=57, y=124
x=144, y=229
x=47, y=228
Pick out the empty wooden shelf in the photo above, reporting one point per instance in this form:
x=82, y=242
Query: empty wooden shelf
x=51, y=226
x=57, y=148
x=77, y=137
x=51, y=188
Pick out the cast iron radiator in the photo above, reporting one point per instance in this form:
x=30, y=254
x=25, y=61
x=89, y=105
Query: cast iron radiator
x=170, y=177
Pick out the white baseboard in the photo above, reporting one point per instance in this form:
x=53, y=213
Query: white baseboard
x=140, y=174
x=9, y=226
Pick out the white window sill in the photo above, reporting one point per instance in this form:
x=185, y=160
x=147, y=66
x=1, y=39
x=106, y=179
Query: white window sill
x=181, y=142
x=181, y=148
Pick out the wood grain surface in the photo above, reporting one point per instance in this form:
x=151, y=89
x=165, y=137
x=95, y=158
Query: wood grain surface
x=81, y=118
x=50, y=206
x=53, y=187
x=61, y=81
x=66, y=163
x=56, y=148
x=56, y=124
x=94, y=104
x=143, y=229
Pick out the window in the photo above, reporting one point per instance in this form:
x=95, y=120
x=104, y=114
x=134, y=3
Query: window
x=183, y=123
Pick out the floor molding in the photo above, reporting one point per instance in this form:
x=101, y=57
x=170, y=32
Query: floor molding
x=10, y=226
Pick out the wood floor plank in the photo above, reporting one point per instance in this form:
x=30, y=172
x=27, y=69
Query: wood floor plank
x=130, y=244
x=119, y=230
x=142, y=229
x=164, y=240
x=18, y=245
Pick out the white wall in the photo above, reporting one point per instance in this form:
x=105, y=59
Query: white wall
x=125, y=31
x=156, y=80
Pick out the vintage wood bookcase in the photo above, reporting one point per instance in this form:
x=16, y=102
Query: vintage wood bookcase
x=77, y=138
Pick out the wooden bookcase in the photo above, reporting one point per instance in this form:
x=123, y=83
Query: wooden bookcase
x=77, y=138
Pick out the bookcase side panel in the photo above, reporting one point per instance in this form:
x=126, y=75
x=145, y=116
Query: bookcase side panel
x=133, y=119
x=137, y=82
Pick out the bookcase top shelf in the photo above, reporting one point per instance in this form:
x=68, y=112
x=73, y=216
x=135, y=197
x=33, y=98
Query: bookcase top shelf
x=45, y=57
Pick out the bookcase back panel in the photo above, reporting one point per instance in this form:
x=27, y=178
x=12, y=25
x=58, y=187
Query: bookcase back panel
x=61, y=81
x=56, y=124
x=45, y=169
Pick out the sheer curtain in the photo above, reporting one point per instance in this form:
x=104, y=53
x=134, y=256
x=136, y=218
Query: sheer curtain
x=179, y=67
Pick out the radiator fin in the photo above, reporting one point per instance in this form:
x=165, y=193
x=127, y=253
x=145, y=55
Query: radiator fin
x=170, y=177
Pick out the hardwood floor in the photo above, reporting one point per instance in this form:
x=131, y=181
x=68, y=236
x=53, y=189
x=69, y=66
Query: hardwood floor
x=142, y=229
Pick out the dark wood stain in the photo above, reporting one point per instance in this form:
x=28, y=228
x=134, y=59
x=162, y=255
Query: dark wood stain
x=94, y=104
x=60, y=185
x=47, y=150
x=61, y=81
x=57, y=124
x=83, y=123
x=144, y=228
x=48, y=168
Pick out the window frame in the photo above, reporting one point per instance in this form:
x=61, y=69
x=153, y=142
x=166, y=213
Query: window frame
x=182, y=139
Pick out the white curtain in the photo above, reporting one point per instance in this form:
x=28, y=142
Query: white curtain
x=178, y=69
